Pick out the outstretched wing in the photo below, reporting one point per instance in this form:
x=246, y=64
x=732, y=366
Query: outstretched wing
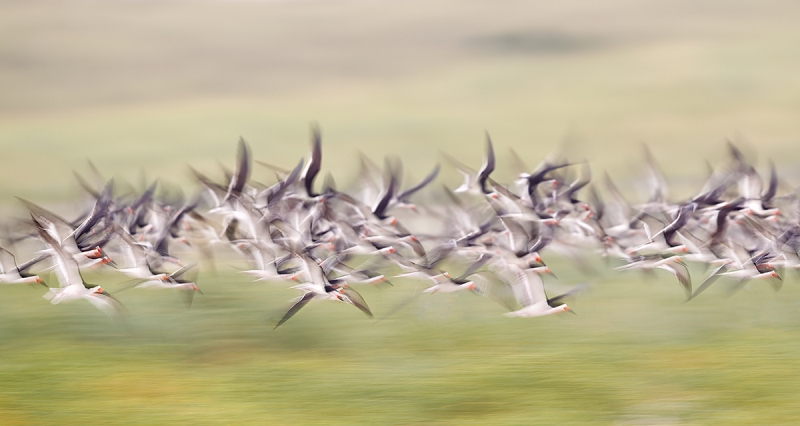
x=710, y=280
x=355, y=299
x=297, y=304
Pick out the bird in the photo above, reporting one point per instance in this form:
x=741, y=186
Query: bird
x=320, y=289
x=535, y=302
x=10, y=272
x=681, y=273
x=72, y=285
x=323, y=240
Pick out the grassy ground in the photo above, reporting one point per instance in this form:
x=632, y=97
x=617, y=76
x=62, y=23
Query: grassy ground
x=634, y=355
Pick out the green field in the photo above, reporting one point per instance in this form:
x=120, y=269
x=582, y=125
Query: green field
x=634, y=354
x=147, y=87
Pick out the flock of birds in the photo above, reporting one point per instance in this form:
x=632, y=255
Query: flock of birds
x=327, y=243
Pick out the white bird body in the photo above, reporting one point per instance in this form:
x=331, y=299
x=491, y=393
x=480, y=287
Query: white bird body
x=70, y=293
x=72, y=285
x=94, y=295
x=157, y=284
x=449, y=287
x=9, y=274
x=749, y=274
x=11, y=278
x=134, y=257
x=529, y=290
x=437, y=279
x=262, y=262
x=537, y=310
x=667, y=264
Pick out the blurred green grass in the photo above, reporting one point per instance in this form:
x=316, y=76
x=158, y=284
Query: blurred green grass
x=634, y=354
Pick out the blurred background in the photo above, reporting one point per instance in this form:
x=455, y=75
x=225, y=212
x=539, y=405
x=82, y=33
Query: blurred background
x=156, y=85
x=143, y=88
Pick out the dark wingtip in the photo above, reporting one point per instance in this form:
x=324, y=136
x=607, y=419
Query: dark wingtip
x=489, y=147
x=316, y=136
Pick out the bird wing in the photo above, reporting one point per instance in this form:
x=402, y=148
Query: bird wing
x=177, y=274
x=131, y=250
x=532, y=287
x=314, y=163
x=354, y=298
x=410, y=191
x=488, y=165
x=682, y=274
x=7, y=261
x=656, y=180
x=58, y=227
x=485, y=257
x=314, y=272
x=501, y=292
x=518, y=237
x=239, y=178
x=66, y=268
x=297, y=304
x=106, y=304
x=773, y=184
x=556, y=301
x=380, y=209
x=710, y=280
x=99, y=210
x=437, y=254
x=400, y=305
